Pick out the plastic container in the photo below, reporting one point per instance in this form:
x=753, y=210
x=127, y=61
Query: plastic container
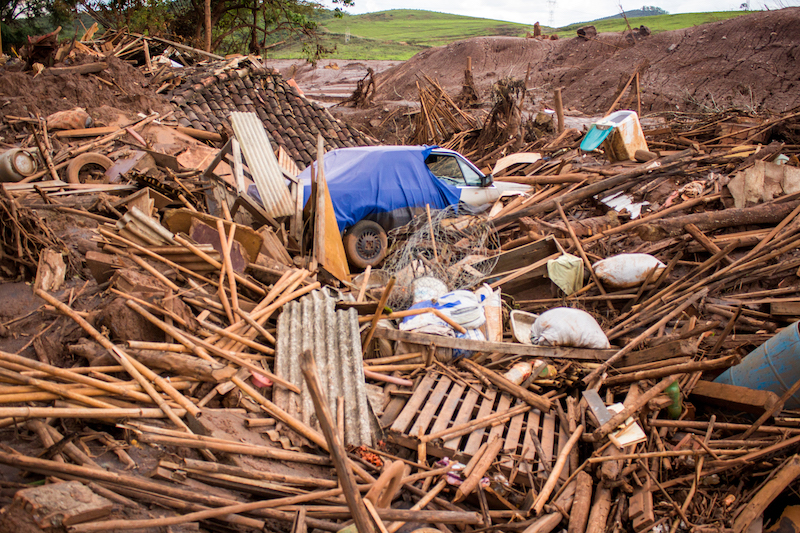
x=518, y=373
x=16, y=164
x=773, y=366
x=620, y=133
x=428, y=288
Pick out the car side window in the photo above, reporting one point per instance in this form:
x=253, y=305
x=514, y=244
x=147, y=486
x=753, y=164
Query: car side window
x=447, y=168
x=472, y=178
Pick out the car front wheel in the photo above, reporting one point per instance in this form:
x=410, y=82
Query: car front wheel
x=365, y=244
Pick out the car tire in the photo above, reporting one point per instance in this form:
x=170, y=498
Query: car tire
x=365, y=244
x=85, y=160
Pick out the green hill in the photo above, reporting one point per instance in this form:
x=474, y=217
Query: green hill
x=656, y=23
x=399, y=34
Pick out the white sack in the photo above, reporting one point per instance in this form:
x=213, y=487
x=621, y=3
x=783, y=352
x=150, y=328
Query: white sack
x=627, y=270
x=565, y=326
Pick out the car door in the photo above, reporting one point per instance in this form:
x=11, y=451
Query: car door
x=456, y=171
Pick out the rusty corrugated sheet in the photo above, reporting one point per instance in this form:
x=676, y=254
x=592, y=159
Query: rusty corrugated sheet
x=333, y=337
x=262, y=163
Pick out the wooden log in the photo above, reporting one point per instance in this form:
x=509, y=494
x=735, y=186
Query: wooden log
x=590, y=190
x=768, y=213
x=559, y=110
x=581, y=504
x=550, y=484
x=600, y=509
x=338, y=454
x=185, y=365
x=534, y=400
x=86, y=68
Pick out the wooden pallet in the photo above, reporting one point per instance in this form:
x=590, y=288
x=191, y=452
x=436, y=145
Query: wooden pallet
x=438, y=403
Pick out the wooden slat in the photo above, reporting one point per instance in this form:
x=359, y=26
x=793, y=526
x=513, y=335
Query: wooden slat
x=503, y=405
x=408, y=413
x=513, y=436
x=562, y=440
x=548, y=439
x=431, y=406
x=464, y=414
x=448, y=408
x=530, y=455
x=476, y=437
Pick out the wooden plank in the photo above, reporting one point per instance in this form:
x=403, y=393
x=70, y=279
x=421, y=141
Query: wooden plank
x=556, y=352
x=534, y=416
x=332, y=254
x=476, y=437
x=785, y=308
x=464, y=414
x=562, y=440
x=446, y=414
x=503, y=405
x=512, y=437
x=431, y=406
x=547, y=439
x=733, y=397
x=410, y=410
x=524, y=255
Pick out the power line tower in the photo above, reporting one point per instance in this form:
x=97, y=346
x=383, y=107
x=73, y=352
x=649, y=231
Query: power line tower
x=551, y=8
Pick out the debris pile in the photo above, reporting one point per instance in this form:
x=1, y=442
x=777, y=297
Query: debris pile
x=595, y=354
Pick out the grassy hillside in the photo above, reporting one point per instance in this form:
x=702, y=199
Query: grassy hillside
x=422, y=28
x=656, y=23
x=401, y=33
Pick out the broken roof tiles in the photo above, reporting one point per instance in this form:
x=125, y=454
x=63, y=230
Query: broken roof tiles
x=209, y=94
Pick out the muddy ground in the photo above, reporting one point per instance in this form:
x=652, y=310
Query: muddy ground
x=749, y=63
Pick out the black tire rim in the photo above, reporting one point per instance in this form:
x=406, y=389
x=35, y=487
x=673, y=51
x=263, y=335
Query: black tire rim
x=369, y=245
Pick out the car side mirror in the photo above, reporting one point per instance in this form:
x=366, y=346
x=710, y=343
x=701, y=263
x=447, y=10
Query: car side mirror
x=487, y=180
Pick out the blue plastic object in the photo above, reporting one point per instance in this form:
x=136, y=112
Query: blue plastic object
x=595, y=137
x=773, y=366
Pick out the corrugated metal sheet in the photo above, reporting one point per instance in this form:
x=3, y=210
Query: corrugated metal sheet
x=333, y=337
x=263, y=165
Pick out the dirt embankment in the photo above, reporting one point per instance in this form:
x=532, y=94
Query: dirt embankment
x=121, y=86
x=748, y=62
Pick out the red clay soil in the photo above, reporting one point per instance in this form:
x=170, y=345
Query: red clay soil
x=749, y=62
x=21, y=93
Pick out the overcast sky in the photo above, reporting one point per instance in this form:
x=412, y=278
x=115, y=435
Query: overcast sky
x=564, y=11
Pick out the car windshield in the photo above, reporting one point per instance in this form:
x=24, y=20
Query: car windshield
x=452, y=170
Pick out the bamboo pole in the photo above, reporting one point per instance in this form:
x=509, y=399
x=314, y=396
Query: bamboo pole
x=123, y=358
x=338, y=455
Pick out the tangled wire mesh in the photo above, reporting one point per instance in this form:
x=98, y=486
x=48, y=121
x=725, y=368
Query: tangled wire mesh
x=456, y=248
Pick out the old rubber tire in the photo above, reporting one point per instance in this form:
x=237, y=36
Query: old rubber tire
x=365, y=244
x=76, y=165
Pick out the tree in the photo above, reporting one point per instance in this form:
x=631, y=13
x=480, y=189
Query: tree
x=239, y=26
x=21, y=18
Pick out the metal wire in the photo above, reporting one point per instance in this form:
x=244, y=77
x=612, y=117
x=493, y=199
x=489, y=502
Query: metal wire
x=466, y=245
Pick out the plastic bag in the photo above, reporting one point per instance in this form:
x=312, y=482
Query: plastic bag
x=565, y=326
x=627, y=270
x=464, y=307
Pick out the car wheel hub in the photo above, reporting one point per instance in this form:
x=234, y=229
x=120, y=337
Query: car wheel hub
x=369, y=245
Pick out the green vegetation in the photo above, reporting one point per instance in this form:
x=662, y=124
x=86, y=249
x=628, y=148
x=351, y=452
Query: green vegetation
x=656, y=23
x=357, y=48
x=423, y=28
x=399, y=34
